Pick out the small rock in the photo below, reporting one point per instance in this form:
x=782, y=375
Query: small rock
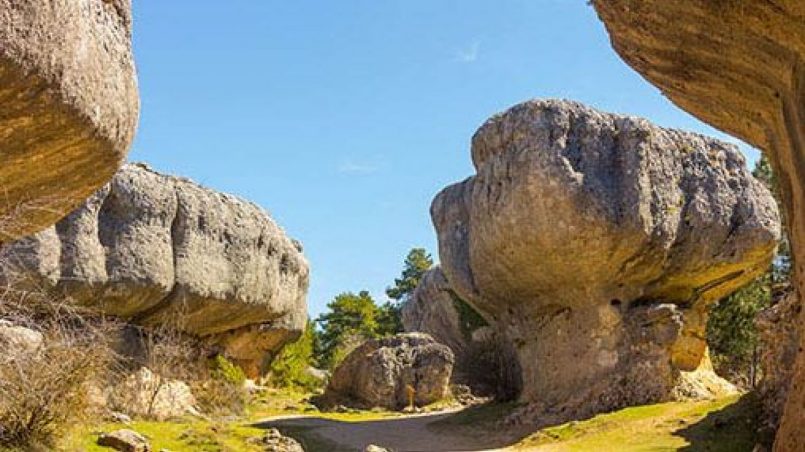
x=274, y=441
x=125, y=440
x=18, y=340
x=373, y=448
x=120, y=418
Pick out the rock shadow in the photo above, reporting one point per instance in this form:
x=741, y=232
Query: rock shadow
x=731, y=429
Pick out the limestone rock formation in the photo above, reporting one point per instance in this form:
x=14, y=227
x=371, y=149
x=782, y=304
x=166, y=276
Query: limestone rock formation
x=595, y=242
x=162, y=250
x=480, y=360
x=148, y=395
x=431, y=310
x=740, y=66
x=379, y=371
x=779, y=332
x=70, y=105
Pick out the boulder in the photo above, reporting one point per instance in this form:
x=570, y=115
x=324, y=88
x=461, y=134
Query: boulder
x=482, y=360
x=595, y=243
x=381, y=372
x=739, y=66
x=18, y=340
x=160, y=250
x=124, y=440
x=70, y=106
x=148, y=395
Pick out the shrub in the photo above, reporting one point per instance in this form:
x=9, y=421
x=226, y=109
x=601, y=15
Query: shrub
x=45, y=391
x=224, y=370
x=290, y=367
x=220, y=390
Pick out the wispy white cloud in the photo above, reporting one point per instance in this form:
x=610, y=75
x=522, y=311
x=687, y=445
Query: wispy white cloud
x=351, y=167
x=469, y=54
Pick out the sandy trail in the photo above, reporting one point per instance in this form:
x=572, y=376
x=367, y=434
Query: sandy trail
x=413, y=433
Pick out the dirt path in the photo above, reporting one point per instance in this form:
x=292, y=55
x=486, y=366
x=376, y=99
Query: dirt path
x=414, y=433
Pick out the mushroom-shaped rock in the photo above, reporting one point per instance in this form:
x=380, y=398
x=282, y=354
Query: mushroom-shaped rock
x=386, y=372
x=740, y=66
x=70, y=105
x=163, y=250
x=595, y=242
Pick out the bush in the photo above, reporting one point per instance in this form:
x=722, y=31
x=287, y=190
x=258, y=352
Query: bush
x=289, y=368
x=45, y=391
x=732, y=334
x=224, y=370
x=220, y=391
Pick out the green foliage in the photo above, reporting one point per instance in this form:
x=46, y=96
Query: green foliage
x=352, y=318
x=222, y=392
x=416, y=264
x=764, y=173
x=349, y=315
x=731, y=332
x=389, y=319
x=289, y=369
x=468, y=317
x=223, y=369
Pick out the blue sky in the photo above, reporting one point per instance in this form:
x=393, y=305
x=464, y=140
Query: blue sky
x=344, y=118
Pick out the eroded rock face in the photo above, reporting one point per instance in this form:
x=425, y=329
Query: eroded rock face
x=378, y=372
x=70, y=105
x=778, y=327
x=148, y=395
x=162, y=250
x=482, y=361
x=431, y=310
x=595, y=243
x=740, y=66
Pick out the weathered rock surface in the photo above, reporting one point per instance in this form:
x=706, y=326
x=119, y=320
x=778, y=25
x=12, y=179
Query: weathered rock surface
x=435, y=309
x=778, y=327
x=740, y=66
x=16, y=340
x=145, y=394
x=70, y=105
x=379, y=371
x=162, y=250
x=125, y=440
x=595, y=243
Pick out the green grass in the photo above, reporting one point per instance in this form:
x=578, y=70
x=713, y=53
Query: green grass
x=189, y=435
x=176, y=436
x=721, y=425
